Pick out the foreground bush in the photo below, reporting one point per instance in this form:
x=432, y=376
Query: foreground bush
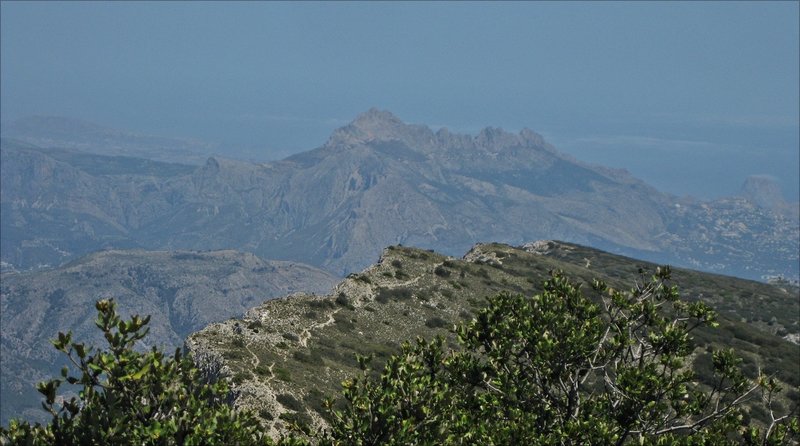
x=130, y=398
x=558, y=368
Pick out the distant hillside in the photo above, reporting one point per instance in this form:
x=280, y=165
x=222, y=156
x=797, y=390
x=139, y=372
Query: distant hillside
x=183, y=291
x=375, y=182
x=87, y=137
x=286, y=355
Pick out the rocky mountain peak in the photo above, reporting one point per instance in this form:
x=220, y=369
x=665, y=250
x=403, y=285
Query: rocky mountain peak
x=376, y=120
x=381, y=125
x=370, y=125
x=763, y=191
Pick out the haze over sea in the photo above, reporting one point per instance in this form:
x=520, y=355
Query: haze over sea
x=691, y=97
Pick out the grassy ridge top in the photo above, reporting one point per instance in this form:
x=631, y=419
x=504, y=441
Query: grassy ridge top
x=285, y=356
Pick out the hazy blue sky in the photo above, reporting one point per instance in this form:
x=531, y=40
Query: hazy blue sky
x=691, y=97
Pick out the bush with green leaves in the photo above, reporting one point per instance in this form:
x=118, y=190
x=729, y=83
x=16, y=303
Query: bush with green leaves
x=128, y=397
x=560, y=368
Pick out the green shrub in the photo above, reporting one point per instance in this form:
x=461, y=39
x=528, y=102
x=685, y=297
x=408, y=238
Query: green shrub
x=255, y=324
x=290, y=402
x=441, y=271
x=343, y=300
x=128, y=397
x=561, y=368
x=436, y=322
x=386, y=294
x=282, y=374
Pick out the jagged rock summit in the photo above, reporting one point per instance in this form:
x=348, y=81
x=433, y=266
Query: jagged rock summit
x=378, y=124
x=382, y=126
x=373, y=125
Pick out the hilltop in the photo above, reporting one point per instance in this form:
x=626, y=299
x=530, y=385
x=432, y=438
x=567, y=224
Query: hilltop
x=286, y=355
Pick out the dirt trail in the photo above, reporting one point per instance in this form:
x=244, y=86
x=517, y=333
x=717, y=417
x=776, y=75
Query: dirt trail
x=256, y=361
x=306, y=334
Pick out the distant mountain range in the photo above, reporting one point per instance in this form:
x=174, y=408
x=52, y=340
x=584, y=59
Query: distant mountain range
x=375, y=182
x=183, y=291
x=87, y=212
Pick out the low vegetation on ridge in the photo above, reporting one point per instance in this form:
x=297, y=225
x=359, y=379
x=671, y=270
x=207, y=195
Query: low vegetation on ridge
x=555, y=368
x=535, y=357
x=304, y=346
